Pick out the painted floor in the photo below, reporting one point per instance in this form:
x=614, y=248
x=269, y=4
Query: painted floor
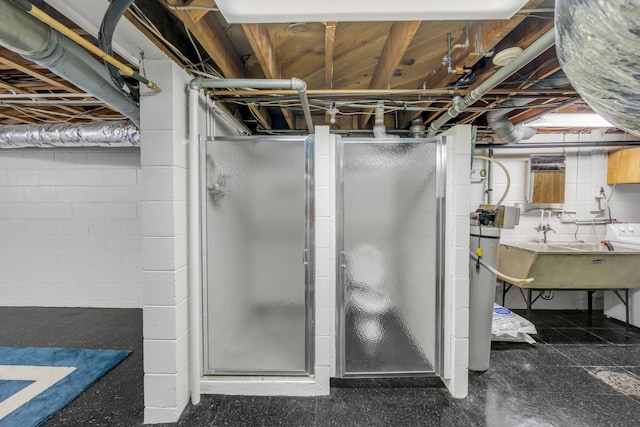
x=585, y=371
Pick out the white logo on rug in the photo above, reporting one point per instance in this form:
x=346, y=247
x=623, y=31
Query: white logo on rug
x=43, y=377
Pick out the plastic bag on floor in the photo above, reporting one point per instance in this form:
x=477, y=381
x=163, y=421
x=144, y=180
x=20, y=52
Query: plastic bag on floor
x=508, y=326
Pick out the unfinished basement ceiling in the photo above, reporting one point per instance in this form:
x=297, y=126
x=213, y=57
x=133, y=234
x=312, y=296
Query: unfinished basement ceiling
x=415, y=68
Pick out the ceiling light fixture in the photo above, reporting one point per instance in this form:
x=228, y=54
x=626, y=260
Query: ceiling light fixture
x=567, y=120
x=274, y=11
x=505, y=56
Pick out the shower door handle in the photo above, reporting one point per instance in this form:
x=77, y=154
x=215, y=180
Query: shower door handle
x=343, y=260
x=305, y=254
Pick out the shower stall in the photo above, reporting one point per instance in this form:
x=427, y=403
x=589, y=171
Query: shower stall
x=389, y=273
x=258, y=256
x=258, y=239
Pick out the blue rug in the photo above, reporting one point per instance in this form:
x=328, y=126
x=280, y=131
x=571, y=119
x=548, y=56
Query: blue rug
x=35, y=383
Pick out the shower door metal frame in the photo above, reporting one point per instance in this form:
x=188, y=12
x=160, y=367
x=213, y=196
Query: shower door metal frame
x=308, y=255
x=340, y=255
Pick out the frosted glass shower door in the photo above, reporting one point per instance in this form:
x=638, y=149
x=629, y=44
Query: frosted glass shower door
x=258, y=207
x=388, y=276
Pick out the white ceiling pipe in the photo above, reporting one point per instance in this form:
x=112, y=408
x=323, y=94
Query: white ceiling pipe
x=293, y=84
x=460, y=104
x=379, y=129
x=96, y=134
x=37, y=42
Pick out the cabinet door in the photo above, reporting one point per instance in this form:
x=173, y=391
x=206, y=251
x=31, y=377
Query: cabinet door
x=624, y=166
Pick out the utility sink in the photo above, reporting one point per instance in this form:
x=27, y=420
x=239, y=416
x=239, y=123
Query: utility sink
x=570, y=265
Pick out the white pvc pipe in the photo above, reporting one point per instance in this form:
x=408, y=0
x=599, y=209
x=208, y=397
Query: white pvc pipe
x=506, y=190
x=194, y=247
x=293, y=83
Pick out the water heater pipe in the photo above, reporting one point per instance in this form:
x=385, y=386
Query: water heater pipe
x=506, y=172
x=500, y=275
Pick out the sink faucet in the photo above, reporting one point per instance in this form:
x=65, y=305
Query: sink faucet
x=545, y=228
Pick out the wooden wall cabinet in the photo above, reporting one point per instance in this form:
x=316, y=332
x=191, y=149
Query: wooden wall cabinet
x=623, y=166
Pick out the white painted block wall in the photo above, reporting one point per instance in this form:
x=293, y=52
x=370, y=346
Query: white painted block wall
x=164, y=243
x=586, y=170
x=456, y=274
x=70, y=227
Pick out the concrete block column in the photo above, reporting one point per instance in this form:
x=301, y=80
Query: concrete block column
x=456, y=296
x=164, y=243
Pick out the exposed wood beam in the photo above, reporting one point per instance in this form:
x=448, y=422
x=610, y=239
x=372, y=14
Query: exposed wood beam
x=192, y=7
x=260, y=41
x=16, y=89
x=37, y=74
x=18, y=119
x=10, y=88
x=329, y=42
x=212, y=38
x=400, y=36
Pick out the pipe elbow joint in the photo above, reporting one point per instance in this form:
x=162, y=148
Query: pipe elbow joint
x=298, y=84
x=196, y=83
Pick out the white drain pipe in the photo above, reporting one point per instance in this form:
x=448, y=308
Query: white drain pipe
x=195, y=269
x=379, y=129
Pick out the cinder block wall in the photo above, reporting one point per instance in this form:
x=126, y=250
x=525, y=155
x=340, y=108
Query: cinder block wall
x=70, y=227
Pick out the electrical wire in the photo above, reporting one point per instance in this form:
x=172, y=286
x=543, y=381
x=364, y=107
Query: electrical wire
x=137, y=13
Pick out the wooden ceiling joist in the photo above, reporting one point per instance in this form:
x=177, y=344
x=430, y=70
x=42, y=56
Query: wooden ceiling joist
x=212, y=38
x=260, y=40
x=329, y=43
x=37, y=74
x=490, y=33
x=396, y=45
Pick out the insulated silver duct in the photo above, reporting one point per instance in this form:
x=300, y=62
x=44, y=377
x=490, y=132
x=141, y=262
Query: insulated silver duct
x=105, y=134
x=37, y=42
x=598, y=48
x=503, y=128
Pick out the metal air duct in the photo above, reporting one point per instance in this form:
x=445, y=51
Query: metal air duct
x=597, y=45
x=503, y=128
x=37, y=42
x=105, y=134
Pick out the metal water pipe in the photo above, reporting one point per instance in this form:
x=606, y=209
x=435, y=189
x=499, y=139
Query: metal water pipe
x=461, y=104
